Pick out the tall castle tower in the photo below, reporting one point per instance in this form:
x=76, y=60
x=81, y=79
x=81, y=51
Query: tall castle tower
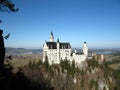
x=58, y=50
x=85, y=49
x=51, y=37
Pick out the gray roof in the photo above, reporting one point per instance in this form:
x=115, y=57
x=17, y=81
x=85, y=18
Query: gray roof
x=79, y=53
x=53, y=45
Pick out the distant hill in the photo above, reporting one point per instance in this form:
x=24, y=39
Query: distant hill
x=101, y=51
x=15, y=51
x=106, y=51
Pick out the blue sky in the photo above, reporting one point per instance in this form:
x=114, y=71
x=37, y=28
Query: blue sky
x=95, y=21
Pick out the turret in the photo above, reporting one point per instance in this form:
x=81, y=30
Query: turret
x=45, y=49
x=85, y=49
x=58, y=44
x=51, y=37
x=75, y=50
x=58, y=50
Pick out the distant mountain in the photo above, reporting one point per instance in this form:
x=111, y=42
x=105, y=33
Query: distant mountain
x=102, y=51
x=10, y=50
x=106, y=51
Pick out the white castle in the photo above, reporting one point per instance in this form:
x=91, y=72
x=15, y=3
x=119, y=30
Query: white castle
x=55, y=51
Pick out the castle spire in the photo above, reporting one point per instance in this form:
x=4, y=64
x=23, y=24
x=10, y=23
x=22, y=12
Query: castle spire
x=51, y=37
x=51, y=33
x=57, y=40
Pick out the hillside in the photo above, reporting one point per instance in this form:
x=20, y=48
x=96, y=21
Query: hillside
x=65, y=76
x=93, y=76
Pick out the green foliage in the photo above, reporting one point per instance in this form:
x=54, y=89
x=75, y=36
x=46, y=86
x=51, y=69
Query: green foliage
x=96, y=85
x=64, y=81
x=51, y=72
x=117, y=87
x=46, y=64
x=70, y=67
x=30, y=64
x=7, y=5
x=39, y=62
x=34, y=64
x=82, y=72
x=82, y=83
x=65, y=65
x=93, y=63
x=91, y=84
x=62, y=65
x=73, y=69
x=104, y=88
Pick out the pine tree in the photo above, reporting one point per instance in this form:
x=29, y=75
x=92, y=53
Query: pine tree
x=39, y=62
x=62, y=65
x=73, y=68
x=96, y=85
x=30, y=64
x=46, y=63
x=91, y=84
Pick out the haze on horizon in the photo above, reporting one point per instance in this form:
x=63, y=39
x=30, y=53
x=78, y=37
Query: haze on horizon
x=95, y=21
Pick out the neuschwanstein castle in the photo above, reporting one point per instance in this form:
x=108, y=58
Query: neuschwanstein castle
x=55, y=51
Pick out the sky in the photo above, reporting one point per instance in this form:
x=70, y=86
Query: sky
x=95, y=21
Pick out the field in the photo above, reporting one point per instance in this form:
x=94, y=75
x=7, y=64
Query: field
x=113, y=60
x=22, y=60
x=115, y=66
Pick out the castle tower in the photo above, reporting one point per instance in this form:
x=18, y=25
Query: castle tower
x=75, y=50
x=102, y=57
x=85, y=49
x=45, y=49
x=58, y=50
x=51, y=37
